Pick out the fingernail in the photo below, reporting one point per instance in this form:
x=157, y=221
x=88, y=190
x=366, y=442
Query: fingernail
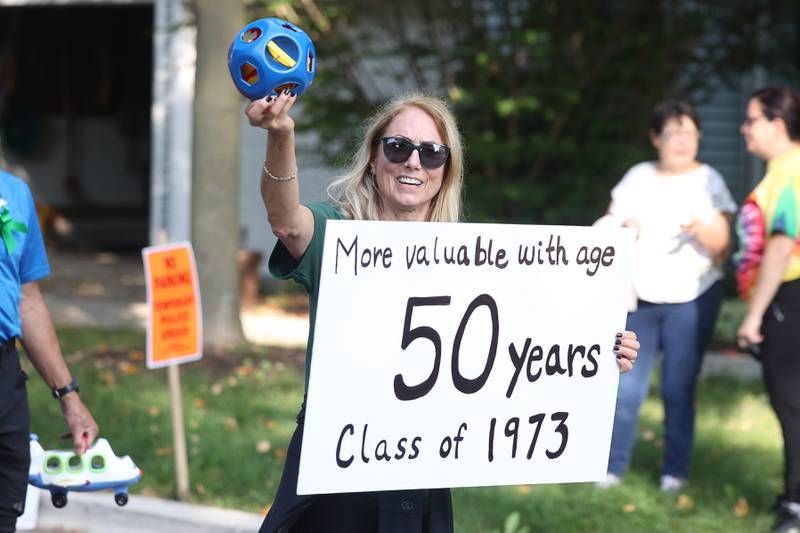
x=286, y=91
x=619, y=334
x=616, y=348
x=268, y=99
x=617, y=342
x=292, y=94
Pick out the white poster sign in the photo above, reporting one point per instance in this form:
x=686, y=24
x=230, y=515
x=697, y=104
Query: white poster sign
x=450, y=355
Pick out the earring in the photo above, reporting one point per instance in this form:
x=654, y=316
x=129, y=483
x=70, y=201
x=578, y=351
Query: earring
x=371, y=170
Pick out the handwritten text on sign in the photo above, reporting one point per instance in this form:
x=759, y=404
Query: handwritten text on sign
x=450, y=355
x=174, y=330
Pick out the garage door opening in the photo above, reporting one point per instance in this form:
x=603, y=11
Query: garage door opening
x=75, y=100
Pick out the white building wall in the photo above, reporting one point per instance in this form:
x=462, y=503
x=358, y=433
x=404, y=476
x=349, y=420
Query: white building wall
x=722, y=110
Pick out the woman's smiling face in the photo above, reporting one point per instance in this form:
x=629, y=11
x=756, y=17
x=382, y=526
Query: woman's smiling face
x=407, y=189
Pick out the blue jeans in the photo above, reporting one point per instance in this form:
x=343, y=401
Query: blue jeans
x=682, y=332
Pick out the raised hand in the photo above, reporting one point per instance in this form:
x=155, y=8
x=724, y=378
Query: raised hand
x=272, y=112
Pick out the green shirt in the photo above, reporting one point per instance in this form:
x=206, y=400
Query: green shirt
x=306, y=271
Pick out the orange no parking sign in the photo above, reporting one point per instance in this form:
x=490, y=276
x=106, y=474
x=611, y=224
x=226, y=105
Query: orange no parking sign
x=174, y=325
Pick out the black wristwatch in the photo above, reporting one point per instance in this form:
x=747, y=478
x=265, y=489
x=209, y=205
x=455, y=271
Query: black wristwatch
x=72, y=387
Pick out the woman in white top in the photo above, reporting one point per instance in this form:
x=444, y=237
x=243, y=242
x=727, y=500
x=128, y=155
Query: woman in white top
x=681, y=209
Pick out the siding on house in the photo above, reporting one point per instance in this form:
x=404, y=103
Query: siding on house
x=721, y=111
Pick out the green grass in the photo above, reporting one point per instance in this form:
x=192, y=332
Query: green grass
x=240, y=409
x=228, y=410
x=737, y=459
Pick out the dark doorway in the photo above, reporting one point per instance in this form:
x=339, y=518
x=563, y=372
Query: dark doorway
x=75, y=98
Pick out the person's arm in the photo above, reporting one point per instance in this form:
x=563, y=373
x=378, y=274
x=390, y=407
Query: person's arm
x=41, y=344
x=612, y=220
x=714, y=236
x=290, y=221
x=770, y=276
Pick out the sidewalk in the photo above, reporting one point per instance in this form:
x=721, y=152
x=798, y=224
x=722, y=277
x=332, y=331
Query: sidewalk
x=107, y=290
x=97, y=513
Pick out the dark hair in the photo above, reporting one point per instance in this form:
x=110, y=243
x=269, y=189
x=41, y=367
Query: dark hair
x=783, y=103
x=671, y=109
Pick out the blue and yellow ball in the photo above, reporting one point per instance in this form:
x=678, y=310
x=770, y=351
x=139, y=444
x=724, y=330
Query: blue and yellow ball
x=270, y=55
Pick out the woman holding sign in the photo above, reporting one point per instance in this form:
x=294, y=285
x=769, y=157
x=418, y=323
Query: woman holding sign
x=768, y=272
x=408, y=167
x=681, y=210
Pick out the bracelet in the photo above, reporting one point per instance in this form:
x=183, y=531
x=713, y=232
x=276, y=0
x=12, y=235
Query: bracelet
x=276, y=178
x=72, y=387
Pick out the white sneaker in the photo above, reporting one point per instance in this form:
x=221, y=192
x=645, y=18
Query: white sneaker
x=611, y=480
x=793, y=508
x=672, y=484
x=788, y=519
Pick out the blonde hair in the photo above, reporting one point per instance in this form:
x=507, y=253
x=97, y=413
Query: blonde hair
x=355, y=193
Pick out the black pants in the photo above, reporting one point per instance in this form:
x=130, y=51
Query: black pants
x=781, y=358
x=407, y=511
x=14, y=438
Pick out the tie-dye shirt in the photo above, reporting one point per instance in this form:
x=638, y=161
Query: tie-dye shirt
x=772, y=207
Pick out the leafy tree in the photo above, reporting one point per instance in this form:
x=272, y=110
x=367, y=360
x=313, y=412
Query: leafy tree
x=553, y=97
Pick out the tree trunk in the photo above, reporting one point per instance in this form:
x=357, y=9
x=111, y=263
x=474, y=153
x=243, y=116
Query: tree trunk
x=215, y=168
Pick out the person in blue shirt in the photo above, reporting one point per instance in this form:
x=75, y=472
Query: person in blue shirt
x=24, y=316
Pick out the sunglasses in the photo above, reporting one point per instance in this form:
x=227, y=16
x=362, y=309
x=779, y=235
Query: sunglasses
x=431, y=155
